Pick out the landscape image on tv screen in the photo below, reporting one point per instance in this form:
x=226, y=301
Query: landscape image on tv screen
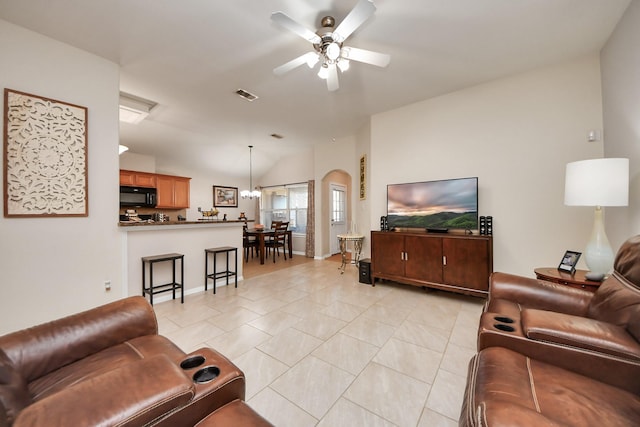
x=451, y=203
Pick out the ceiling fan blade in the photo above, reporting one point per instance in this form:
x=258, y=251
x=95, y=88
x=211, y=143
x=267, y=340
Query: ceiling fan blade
x=366, y=56
x=295, y=63
x=291, y=25
x=332, y=78
x=360, y=13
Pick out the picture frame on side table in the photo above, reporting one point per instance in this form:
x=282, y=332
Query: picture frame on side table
x=45, y=157
x=569, y=261
x=225, y=197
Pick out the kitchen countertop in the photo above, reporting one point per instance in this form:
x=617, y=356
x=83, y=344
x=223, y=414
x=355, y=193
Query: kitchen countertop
x=149, y=225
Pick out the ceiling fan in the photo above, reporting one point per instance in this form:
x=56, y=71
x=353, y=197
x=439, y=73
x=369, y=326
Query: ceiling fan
x=328, y=44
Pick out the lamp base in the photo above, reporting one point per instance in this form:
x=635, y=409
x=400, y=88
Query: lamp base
x=598, y=253
x=594, y=277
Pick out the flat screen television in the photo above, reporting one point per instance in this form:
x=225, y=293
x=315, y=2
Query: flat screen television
x=449, y=203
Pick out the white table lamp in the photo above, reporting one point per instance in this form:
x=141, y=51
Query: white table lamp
x=597, y=182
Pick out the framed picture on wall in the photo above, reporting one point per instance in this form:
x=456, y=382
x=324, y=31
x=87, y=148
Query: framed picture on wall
x=225, y=197
x=363, y=177
x=569, y=261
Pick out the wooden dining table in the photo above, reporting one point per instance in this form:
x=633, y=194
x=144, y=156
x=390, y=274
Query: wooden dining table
x=261, y=234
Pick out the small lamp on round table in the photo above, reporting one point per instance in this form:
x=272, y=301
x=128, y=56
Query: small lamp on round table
x=597, y=182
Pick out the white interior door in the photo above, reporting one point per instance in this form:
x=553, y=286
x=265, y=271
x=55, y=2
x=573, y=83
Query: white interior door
x=338, y=214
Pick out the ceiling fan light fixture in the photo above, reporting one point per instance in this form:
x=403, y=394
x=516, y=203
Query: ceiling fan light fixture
x=328, y=44
x=323, y=73
x=312, y=60
x=333, y=51
x=343, y=64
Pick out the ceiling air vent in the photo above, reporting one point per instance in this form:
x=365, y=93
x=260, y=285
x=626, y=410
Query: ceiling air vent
x=246, y=95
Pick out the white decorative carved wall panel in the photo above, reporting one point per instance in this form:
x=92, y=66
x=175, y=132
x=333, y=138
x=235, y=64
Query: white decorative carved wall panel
x=45, y=151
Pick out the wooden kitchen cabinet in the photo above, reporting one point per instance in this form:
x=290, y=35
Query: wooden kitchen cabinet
x=173, y=191
x=458, y=263
x=137, y=179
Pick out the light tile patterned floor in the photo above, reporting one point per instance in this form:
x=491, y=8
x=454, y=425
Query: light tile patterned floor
x=319, y=348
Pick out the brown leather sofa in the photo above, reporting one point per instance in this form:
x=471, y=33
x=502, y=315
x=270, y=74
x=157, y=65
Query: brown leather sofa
x=578, y=351
x=108, y=366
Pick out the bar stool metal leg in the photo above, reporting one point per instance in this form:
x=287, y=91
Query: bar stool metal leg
x=236, y=266
x=206, y=270
x=215, y=256
x=151, y=283
x=182, y=280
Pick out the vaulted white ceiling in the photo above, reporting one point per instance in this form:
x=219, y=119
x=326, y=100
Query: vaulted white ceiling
x=190, y=56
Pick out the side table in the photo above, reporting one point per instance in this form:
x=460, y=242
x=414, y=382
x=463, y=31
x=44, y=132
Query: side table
x=357, y=248
x=575, y=280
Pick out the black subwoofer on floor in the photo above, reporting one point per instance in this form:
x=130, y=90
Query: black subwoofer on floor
x=365, y=271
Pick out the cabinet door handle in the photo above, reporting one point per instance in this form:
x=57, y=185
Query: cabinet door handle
x=401, y=256
x=406, y=256
x=444, y=260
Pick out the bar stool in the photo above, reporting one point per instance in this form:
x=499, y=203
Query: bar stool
x=219, y=274
x=156, y=289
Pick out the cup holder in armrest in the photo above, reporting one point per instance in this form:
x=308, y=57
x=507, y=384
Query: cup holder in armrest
x=504, y=319
x=206, y=374
x=505, y=328
x=192, y=362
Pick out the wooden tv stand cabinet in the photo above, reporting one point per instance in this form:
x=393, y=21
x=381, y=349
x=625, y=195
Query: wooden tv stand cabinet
x=452, y=262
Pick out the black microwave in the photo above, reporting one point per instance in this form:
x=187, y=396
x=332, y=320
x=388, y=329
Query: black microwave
x=139, y=197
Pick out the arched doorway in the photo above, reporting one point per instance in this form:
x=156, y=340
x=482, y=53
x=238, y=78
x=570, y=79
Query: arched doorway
x=336, y=209
x=337, y=215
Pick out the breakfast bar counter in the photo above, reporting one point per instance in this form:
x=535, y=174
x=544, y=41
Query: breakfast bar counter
x=191, y=238
x=150, y=223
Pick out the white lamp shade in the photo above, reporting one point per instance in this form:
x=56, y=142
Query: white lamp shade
x=597, y=182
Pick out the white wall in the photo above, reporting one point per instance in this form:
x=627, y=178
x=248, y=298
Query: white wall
x=516, y=135
x=201, y=191
x=363, y=207
x=290, y=169
x=335, y=156
x=315, y=164
x=137, y=162
x=57, y=266
x=620, y=60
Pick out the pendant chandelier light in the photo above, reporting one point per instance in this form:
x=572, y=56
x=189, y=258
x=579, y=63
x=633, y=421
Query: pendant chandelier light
x=251, y=192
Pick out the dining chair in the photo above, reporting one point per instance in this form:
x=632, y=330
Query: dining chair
x=279, y=239
x=268, y=242
x=249, y=243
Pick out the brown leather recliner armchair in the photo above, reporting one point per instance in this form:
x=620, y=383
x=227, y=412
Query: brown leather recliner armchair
x=552, y=355
x=508, y=389
x=108, y=366
x=571, y=328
